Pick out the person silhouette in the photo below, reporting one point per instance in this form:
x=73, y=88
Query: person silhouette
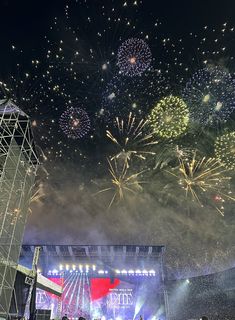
x=65, y=317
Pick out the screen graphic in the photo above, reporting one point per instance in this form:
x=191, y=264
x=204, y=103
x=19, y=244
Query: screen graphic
x=119, y=298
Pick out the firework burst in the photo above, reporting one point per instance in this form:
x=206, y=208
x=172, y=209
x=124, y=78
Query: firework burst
x=169, y=152
x=210, y=95
x=75, y=123
x=124, y=94
x=134, y=57
x=169, y=118
x=131, y=139
x=122, y=183
x=204, y=179
x=225, y=150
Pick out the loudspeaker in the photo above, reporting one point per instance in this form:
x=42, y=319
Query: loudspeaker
x=29, y=281
x=42, y=314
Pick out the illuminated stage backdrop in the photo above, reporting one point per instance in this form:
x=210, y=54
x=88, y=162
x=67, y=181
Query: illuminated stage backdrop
x=116, y=298
x=103, y=282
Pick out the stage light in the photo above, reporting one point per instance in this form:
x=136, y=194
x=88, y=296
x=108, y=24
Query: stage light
x=159, y=313
x=101, y=272
x=94, y=267
x=67, y=267
x=152, y=272
x=80, y=267
x=187, y=281
x=61, y=267
x=124, y=271
x=106, y=272
x=145, y=272
x=139, y=304
x=137, y=271
x=74, y=267
x=54, y=271
x=131, y=271
x=118, y=271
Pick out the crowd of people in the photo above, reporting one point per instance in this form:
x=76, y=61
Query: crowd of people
x=65, y=317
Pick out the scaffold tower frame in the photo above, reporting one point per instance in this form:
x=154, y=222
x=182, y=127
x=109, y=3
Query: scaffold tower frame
x=18, y=167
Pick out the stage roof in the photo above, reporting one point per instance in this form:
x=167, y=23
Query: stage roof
x=110, y=255
x=90, y=251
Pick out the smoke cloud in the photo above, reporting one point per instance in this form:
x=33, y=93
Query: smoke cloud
x=198, y=240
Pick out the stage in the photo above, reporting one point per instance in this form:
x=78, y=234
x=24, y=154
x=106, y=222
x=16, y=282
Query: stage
x=102, y=282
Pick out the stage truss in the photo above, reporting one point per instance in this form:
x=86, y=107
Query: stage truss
x=18, y=166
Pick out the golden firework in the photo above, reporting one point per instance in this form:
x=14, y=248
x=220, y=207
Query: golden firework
x=37, y=196
x=204, y=179
x=122, y=184
x=170, y=117
x=131, y=139
x=225, y=150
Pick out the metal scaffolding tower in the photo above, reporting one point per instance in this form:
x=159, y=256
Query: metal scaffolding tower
x=18, y=166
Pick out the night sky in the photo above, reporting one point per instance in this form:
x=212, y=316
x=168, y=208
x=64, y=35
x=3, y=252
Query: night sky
x=65, y=64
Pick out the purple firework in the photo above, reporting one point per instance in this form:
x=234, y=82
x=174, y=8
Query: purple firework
x=134, y=57
x=75, y=123
x=210, y=95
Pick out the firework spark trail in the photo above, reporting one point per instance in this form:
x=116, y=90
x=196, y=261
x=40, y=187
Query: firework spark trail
x=207, y=175
x=37, y=196
x=168, y=152
x=122, y=184
x=131, y=139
